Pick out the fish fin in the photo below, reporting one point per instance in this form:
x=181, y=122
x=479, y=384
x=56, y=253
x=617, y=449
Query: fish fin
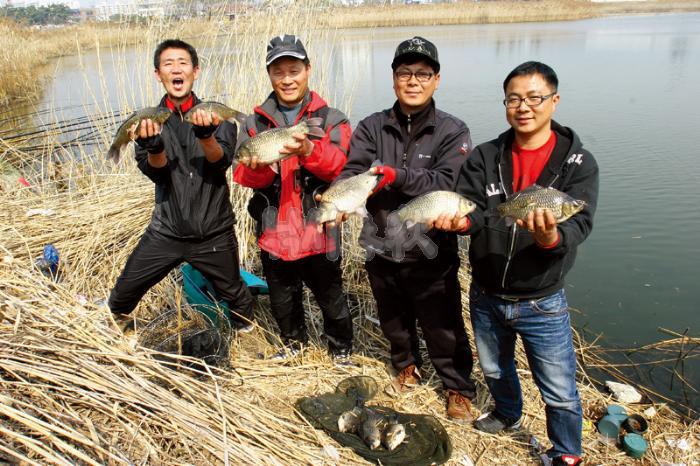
x=361, y=211
x=314, y=125
x=114, y=153
x=376, y=163
x=237, y=117
x=275, y=168
x=316, y=132
x=410, y=224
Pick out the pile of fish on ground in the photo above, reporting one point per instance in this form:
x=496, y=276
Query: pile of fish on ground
x=75, y=391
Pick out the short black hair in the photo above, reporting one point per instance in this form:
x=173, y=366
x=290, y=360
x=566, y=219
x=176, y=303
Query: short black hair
x=175, y=44
x=412, y=59
x=534, y=67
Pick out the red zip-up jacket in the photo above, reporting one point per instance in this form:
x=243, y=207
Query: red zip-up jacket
x=291, y=238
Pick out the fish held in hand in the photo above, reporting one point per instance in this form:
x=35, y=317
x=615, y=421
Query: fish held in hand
x=430, y=206
x=266, y=146
x=227, y=113
x=345, y=196
x=535, y=197
x=158, y=114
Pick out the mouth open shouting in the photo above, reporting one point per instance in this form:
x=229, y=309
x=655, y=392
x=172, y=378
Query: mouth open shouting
x=177, y=74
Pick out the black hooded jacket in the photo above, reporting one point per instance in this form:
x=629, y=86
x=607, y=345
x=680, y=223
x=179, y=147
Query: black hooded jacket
x=426, y=158
x=192, y=196
x=505, y=260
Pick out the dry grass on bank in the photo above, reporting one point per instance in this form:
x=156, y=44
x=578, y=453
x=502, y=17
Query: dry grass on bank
x=460, y=13
x=26, y=52
x=486, y=12
x=74, y=390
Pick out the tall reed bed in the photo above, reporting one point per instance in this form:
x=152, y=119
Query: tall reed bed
x=74, y=390
x=462, y=12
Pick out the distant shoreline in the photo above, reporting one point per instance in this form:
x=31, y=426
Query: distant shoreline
x=491, y=12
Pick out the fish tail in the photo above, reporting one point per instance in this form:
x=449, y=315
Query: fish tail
x=237, y=116
x=314, y=125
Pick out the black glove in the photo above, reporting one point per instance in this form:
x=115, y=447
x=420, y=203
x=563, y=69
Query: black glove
x=203, y=132
x=152, y=144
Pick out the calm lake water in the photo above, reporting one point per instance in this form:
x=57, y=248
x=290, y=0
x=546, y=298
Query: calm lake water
x=629, y=87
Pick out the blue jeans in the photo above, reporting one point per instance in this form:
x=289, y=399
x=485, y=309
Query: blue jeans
x=543, y=325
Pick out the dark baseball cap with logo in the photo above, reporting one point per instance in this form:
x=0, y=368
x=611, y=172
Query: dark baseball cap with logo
x=287, y=45
x=419, y=48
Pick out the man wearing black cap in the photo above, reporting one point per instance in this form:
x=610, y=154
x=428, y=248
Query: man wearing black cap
x=292, y=252
x=420, y=149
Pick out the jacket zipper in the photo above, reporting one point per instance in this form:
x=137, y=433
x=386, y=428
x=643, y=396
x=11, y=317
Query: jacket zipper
x=513, y=228
x=513, y=231
x=404, y=159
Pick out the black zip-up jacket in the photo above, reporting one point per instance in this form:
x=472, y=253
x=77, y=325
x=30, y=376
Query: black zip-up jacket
x=505, y=261
x=426, y=158
x=192, y=196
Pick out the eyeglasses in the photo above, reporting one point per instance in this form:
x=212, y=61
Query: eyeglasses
x=406, y=75
x=530, y=101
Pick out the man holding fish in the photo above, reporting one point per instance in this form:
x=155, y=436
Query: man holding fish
x=286, y=167
x=536, y=189
x=416, y=149
x=186, y=158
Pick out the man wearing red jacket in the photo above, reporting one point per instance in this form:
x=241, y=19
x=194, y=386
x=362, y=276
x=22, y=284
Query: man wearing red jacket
x=294, y=253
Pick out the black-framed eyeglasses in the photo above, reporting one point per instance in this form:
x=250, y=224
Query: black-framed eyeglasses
x=421, y=76
x=530, y=101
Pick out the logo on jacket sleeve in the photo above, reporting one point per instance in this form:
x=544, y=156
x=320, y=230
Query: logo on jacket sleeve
x=465, y=148
x=493, y=190
x=575, y=158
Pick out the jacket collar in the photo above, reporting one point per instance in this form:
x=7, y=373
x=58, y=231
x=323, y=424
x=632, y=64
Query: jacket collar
x=424, y=119
x=184, y=108
x=269, y=109
x=567, y=143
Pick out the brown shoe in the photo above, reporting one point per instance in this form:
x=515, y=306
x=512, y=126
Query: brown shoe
x=459, y=407
x=407, y=379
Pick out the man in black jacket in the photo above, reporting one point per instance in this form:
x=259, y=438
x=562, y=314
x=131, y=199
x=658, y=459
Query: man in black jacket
x=518, y=271
x=420, y=149
x=192, y=220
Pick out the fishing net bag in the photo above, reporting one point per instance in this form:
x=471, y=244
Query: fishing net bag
x=189, y=333
x=426, y=443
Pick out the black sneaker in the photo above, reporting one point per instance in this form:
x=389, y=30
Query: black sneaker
x=341, y=357
x=288, y=351
x=493, y=423
x=242, y=327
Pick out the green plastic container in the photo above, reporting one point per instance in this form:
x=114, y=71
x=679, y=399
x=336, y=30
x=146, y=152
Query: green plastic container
x=609, y=426
x=199, y=292
x=616, y=410
x=634, y=445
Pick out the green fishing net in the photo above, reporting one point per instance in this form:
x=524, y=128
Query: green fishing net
x=426, y=440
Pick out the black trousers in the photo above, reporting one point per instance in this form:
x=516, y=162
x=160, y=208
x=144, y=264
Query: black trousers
x=156, y=255
x=427, y=291
x=285, y=279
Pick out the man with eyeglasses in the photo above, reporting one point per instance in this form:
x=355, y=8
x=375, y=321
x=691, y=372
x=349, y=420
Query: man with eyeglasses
x=292, y=252
x=420, y=149
x=518, y=271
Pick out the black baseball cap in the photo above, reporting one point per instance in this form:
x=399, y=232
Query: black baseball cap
x=287, y=45
x=422, y=48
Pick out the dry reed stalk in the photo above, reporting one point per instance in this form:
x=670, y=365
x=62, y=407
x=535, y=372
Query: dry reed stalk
x=470, y=12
